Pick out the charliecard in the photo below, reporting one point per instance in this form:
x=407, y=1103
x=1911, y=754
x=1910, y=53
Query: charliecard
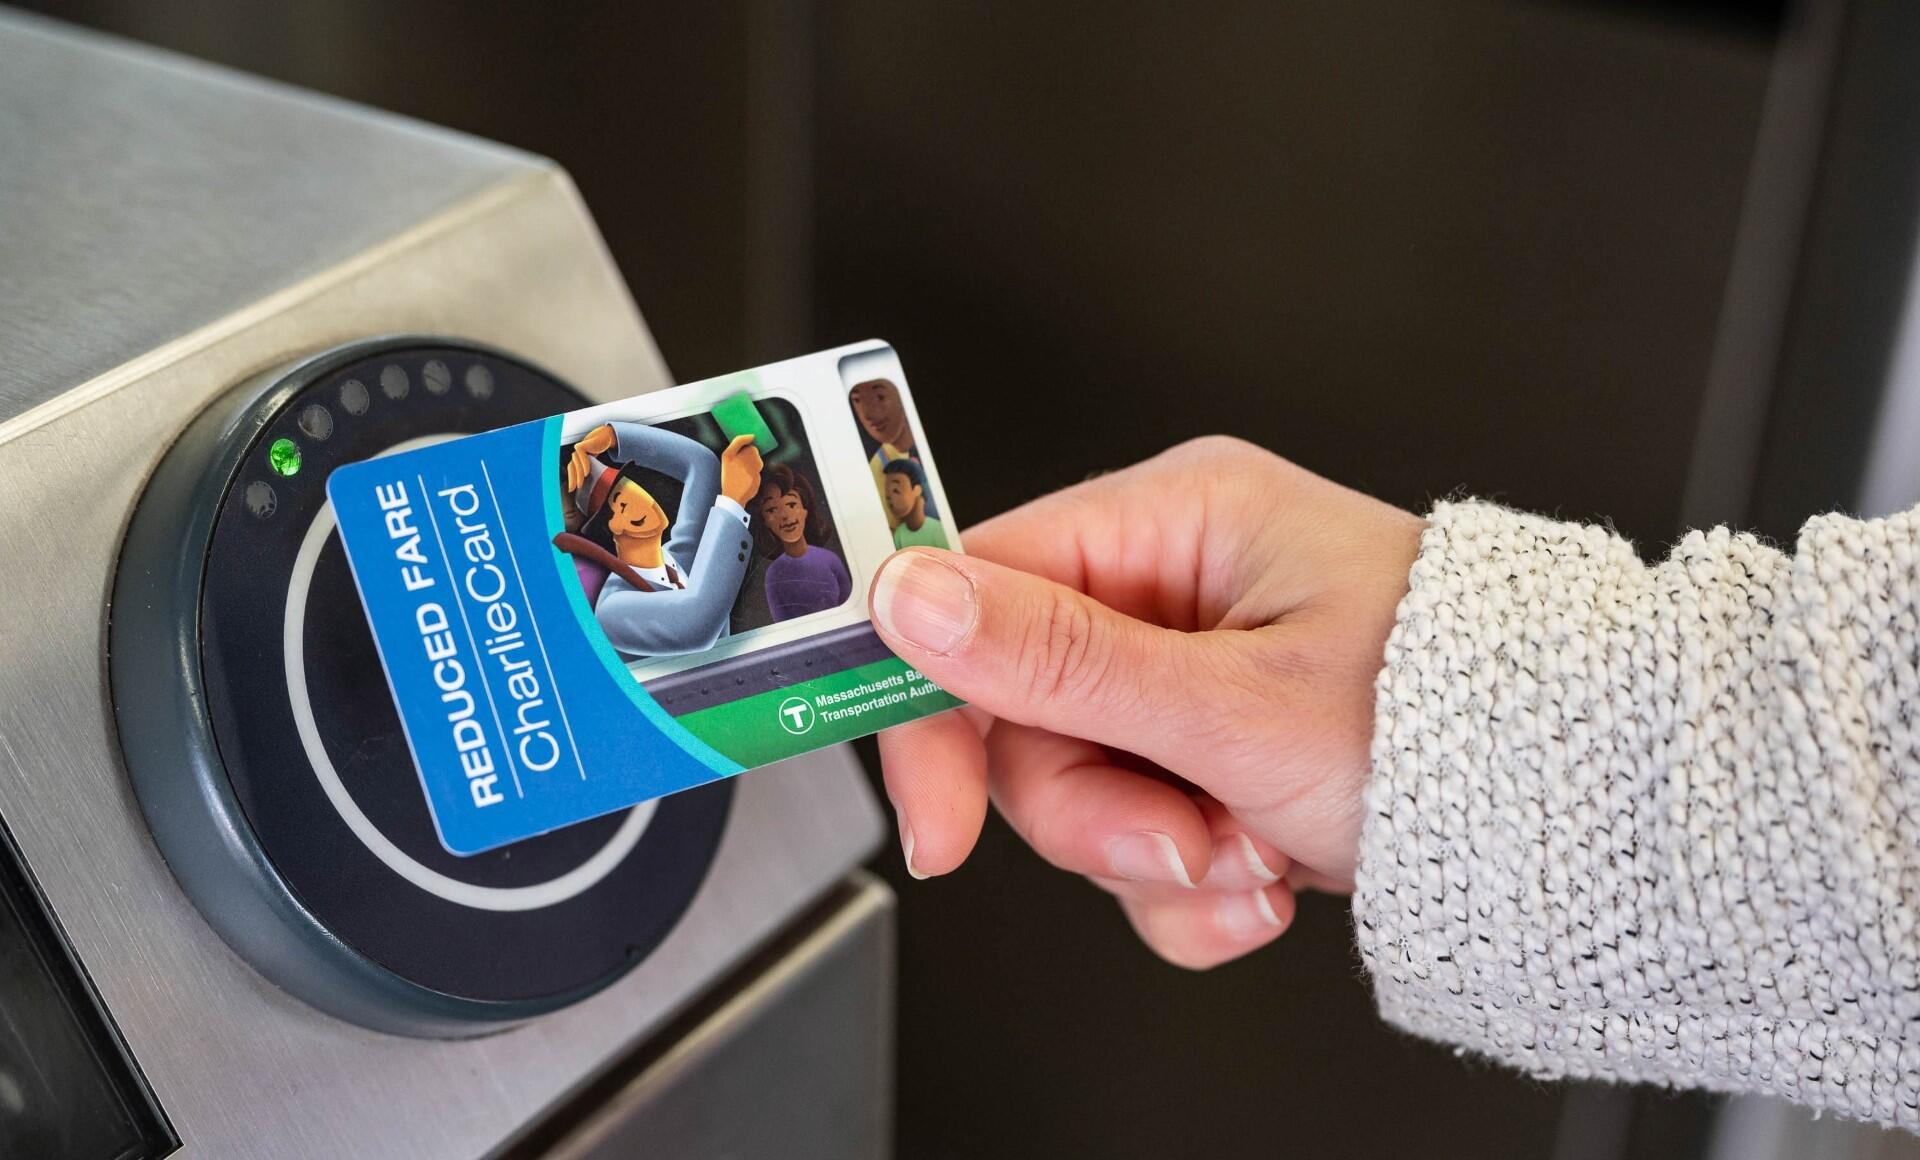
x=586, y=612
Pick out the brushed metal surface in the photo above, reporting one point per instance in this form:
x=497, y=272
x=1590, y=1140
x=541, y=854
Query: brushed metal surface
x=241, y=1068
x=823, y=1011
x=143, y=195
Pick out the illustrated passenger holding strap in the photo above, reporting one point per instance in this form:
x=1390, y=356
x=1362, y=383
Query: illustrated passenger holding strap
x=666, y=592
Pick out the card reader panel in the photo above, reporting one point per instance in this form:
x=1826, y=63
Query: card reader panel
x=264, y=745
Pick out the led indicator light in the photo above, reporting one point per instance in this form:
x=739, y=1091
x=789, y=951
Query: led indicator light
x=260, y=498
x=284, y=455
x=317, y=422
x=479, y=382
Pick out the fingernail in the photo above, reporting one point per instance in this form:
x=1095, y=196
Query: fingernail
x=1241, y=847
x=1245, y=915
x=923, y=601
x=906, y=844
x=1148, y=856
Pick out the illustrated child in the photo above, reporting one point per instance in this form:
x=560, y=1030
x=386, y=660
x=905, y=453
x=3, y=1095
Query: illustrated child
x=906, y=496
x=804, y=576
x=876, y=403
x=666, y=592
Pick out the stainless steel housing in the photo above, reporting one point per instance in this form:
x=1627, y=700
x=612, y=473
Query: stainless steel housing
x=168, y=229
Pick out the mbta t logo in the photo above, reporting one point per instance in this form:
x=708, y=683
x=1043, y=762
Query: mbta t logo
x=796, y=715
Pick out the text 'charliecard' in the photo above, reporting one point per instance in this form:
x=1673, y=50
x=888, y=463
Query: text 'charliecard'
x=580, y=614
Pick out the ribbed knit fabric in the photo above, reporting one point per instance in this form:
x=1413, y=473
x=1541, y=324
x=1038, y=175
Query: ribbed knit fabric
x=1655, y=822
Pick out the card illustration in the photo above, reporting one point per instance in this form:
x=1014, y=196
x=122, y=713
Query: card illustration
x=804, y=572
x=905, y=491
x=893, y=453
x=653, y=594
x=583, y=613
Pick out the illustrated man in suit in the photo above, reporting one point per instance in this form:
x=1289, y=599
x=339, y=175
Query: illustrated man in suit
x=666, y=592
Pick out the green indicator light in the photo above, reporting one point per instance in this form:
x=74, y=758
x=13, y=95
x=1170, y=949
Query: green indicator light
x=284, y=455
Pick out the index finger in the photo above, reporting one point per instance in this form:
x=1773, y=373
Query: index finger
x=1134, y=540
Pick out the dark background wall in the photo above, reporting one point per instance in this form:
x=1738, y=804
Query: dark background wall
x=1418, y=245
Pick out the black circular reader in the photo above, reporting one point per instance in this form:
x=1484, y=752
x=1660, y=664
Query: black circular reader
x=266, y=751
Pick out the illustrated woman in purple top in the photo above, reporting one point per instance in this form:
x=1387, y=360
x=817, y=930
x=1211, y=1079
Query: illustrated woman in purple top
x=804, y=576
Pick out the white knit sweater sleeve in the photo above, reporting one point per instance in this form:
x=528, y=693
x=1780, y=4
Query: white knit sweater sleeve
x=1655, y=822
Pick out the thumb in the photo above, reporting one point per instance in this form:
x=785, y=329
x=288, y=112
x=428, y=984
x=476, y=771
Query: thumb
x=1031, y=651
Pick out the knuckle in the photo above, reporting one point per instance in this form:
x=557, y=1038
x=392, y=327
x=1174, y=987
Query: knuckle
x=1051, y=837
x=1229, y=471
x=1222, y=450
x=1052, y=833
x=1161, y=928
x=1224, y=445
x=1063, y=653
x=1180, y=952
x=1187, y=961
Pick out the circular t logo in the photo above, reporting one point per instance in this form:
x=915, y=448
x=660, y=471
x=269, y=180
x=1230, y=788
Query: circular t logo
x=796, y=715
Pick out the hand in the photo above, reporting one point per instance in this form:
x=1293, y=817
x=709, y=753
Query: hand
x=1170, y=674
x=595, y=442
x=740, y=470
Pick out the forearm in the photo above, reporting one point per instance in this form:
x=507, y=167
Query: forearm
x=1655, y=822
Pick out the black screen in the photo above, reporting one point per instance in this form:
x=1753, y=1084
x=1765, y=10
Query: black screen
x=68, y=1091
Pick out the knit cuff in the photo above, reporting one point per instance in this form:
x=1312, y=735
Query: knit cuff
x=1550, y=869
x=1447, y=919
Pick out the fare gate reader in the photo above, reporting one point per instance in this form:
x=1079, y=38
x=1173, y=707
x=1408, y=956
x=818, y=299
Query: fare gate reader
x=226, y=925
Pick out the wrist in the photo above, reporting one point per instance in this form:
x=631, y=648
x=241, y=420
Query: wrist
x=1378, y=602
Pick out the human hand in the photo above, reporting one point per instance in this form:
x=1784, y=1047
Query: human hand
x=595, y=442
x=1170, y=676
x=740, y=470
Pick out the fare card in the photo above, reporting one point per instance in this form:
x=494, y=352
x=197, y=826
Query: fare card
x=586, y=612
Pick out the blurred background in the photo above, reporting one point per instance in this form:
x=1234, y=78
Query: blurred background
x=1643, y=261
